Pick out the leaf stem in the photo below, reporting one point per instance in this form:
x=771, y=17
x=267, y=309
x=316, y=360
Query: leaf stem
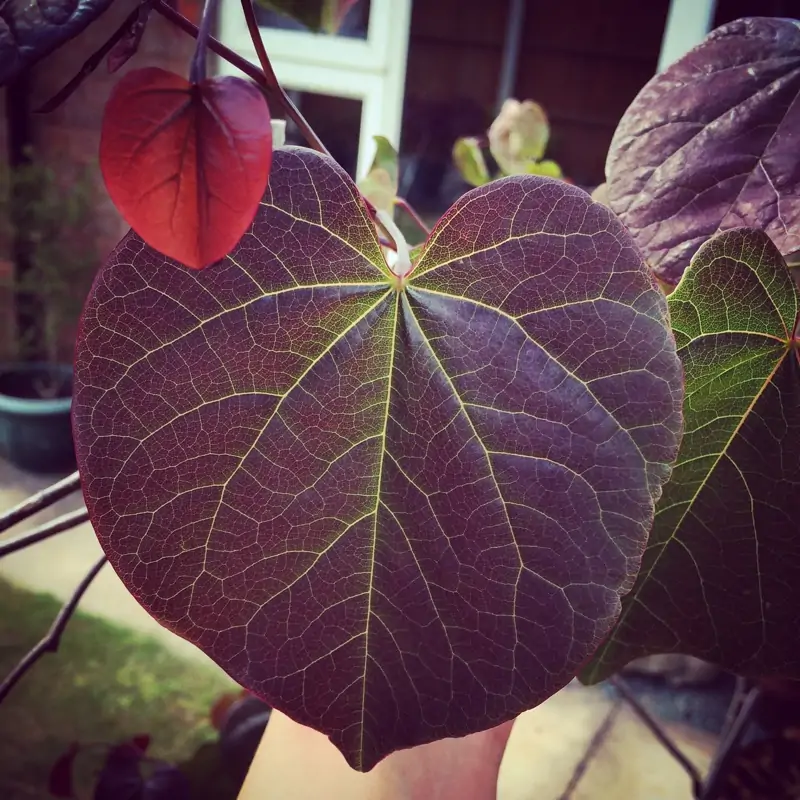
x=402, y=265
x=411, y=211
x=197, y=71
x=274, y=92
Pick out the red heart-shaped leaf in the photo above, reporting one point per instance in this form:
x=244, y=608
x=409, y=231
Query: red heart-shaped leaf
x=186, y=165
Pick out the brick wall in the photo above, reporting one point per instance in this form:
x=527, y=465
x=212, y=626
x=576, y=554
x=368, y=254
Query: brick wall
x=69, y=137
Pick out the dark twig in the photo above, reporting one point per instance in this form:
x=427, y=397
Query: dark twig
x=411, y=211
x=273, y=91
x=50, y=643
x=729, y=745
x=59, y=525
x=43, y=499
x=644, y=715
x=732, y=714
x=91, y=63
x=591, y=751
x=273, y=83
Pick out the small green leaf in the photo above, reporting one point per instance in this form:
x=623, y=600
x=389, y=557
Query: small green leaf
x=518, y=136
x=720, y=578
x=469, y=160
x=546, y=168
x=380, y=184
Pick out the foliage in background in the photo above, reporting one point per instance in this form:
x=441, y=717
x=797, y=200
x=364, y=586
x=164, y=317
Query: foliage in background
x=106, y=684
x=517, y=141
x=57, y=219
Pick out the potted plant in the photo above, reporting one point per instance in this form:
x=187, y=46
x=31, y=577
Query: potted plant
x=46, y=227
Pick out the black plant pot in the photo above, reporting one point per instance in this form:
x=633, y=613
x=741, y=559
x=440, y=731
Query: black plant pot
x=36, y=431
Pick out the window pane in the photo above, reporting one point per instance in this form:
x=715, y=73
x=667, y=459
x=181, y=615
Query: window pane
x=354, y=25
x=337, y=122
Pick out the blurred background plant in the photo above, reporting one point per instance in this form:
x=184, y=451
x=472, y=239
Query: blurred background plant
x=46, y=229
x=516, y=142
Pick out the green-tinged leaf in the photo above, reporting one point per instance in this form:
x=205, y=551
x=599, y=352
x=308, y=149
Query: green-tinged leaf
x=546, y=168
x=31, y=30
x=396, y=509
x=380, y=184
x=518, y=136
x=721, y=575
x=469, y=161
x=324, y=16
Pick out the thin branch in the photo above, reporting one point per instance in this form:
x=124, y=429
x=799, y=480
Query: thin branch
x=730, y=745
x=91, y=63
x=273, y=82
x=43, y=499
x=50, y=643
x=269, y=84
x=59, y=525
x=644, y=715
x=591, y=751
x=734, y=707
x=411, y=211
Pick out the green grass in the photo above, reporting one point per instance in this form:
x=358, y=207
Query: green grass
x=105, y=684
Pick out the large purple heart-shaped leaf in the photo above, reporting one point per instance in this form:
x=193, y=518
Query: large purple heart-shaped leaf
x=711, y=144
x=397, y=510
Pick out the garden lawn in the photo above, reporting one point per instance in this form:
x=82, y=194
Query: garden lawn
x=105, y=684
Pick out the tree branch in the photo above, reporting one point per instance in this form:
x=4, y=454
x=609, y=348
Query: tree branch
x=59, y=525
x=729, y=746
x=50, y=643
x=91, y=63
x=592, y=749
x=655, y=728
x=272, y=80
x=43, y=499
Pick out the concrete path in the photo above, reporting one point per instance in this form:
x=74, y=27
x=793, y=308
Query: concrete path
x=58, y=564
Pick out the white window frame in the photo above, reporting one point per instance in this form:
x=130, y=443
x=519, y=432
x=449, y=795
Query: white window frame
x=688, y=23
x=372, y=70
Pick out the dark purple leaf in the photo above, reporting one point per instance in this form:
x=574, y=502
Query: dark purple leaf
x=59, y=783
x=141, y=742
x=30, y=30
x=166, y=783
x=121, y=775
x=128, y=45
x=712, y=143
x=396, y=510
